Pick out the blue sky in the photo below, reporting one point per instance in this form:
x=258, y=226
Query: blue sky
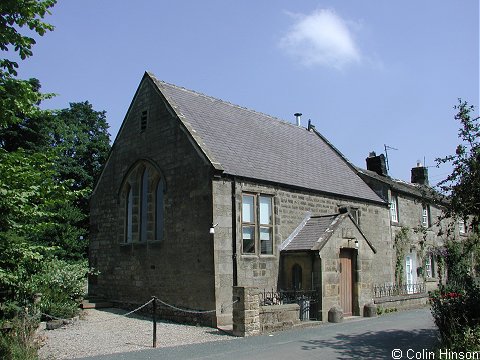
x=367, y=73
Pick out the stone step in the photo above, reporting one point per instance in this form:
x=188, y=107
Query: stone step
x=95, y=304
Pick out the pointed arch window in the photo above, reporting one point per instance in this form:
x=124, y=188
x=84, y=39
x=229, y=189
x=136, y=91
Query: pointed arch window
x=129, y=216
x=159, y=210
x=142, y=204
x=144, y=207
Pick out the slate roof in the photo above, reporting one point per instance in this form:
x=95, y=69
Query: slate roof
x=412, y=189
x=246, y=143
x=314, y=234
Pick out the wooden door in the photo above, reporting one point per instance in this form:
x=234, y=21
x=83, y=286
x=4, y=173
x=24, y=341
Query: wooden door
x=346, y=283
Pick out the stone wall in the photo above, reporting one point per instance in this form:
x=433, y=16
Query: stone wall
x=290, y=207
x=223, y=248
x=246, y=311
x=363, y=274
x=249, y=318
x=278, y=317
x=402, y=302
x=179, y=267
x=420, y=239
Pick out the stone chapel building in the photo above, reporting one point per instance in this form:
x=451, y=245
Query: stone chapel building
x=199, y=195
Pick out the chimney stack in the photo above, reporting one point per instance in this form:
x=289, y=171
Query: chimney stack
x=298, y=117
x=377, y=163
x=420, y=174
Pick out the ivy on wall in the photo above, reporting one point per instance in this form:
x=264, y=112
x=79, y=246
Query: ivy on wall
x=421, y=253
x=401, y=245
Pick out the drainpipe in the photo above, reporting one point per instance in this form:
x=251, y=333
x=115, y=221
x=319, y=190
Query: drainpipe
x=234, y=232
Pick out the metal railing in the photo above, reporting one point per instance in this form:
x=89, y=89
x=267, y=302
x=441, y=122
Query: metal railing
x=306, y=299
x=395, y=289
x=280, y=297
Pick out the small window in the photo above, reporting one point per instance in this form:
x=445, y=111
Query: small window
x=394, y=209
x=143, y=120
x=425, y=216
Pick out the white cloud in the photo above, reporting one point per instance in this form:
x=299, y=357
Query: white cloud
x=321, y=38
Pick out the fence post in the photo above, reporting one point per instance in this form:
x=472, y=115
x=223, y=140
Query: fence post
x=154, y=321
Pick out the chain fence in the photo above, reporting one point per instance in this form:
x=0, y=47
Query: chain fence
x=152, y=301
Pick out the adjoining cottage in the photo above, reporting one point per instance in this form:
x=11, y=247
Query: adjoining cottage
x=199, y=195
x=415, y=221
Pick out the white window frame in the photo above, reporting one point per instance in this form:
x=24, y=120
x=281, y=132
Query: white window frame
x=250, y=223
x=257, y=227
x=409, y=276
x=265, y=226
x=394, y=209
x=425, y=216
x=428, y=267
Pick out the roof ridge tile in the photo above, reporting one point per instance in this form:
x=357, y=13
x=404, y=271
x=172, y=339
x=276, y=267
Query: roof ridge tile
x=199, y=93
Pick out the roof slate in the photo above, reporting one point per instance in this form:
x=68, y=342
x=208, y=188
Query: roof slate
x=314, y=234
x=412, y=189
x=250, y=144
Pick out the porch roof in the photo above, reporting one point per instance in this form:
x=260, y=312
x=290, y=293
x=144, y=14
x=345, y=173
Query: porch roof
x=315, y=231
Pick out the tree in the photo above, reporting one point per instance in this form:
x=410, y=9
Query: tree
x=78, y=142
x=80, y=136
x=463, y=184
x=39, y=205
x=455, y=305
x=29, y=199
x=20, y=97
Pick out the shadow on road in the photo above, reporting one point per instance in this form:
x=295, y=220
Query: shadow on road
x=376, y=345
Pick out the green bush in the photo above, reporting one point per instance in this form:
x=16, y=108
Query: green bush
x=12, y=348
x=18, y=342
x=61, y=285
x=456, y=312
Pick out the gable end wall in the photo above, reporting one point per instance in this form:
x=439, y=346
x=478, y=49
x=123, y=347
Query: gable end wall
x=178, y=269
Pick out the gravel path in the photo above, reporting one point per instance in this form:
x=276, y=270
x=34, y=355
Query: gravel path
x=101, y=332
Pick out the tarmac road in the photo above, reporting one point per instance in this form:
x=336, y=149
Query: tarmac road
x=403, y=335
